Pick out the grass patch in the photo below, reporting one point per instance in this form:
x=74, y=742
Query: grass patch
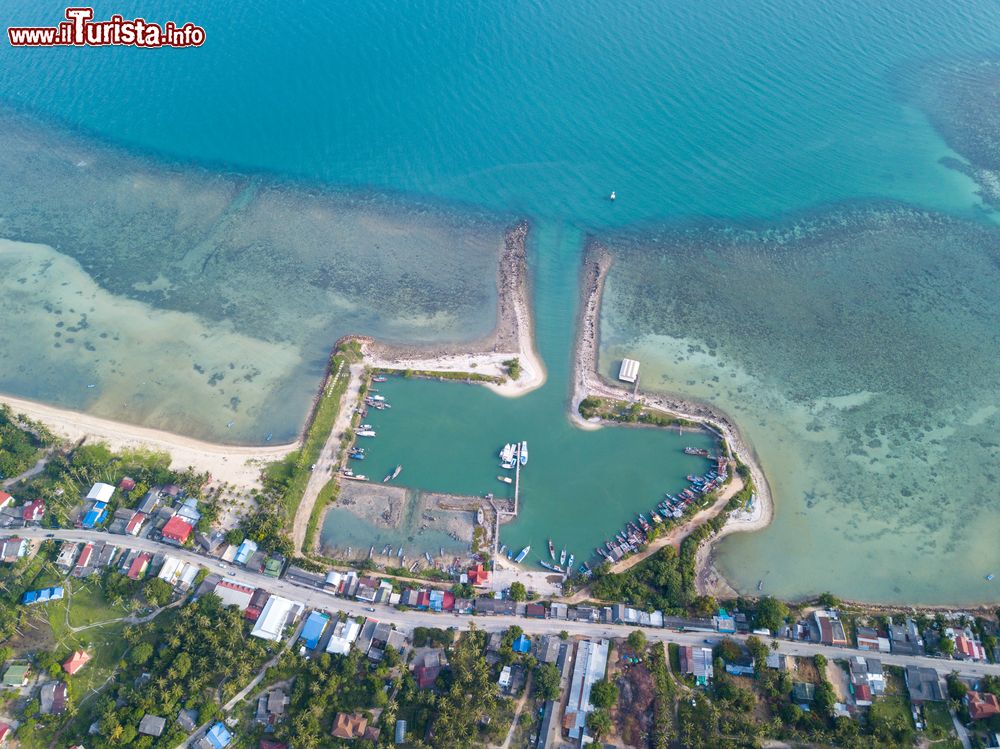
x=430, y=374
x=623, y=412
x=90, y=606
x=939, y=724
x=327, y=496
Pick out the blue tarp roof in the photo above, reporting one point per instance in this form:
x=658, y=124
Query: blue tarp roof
x=219, y=736
x=92, y=518
x=521, y=645
x=43, y=595
x=312, y=630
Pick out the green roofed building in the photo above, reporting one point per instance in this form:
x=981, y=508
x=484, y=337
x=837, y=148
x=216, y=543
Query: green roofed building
x=16, y=675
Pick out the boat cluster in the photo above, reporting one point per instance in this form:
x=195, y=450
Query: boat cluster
x=512, y=454
x=564, y=565
x=636, y=533
x=379, y=403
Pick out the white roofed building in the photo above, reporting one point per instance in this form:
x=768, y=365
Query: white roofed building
x=278, y=613
x=629, y=371
x=100, y=493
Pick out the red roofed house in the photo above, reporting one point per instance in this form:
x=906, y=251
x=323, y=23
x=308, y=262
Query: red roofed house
x=349, y=726
x=5, y=499
x=257, y=602
x=127, y=484
x=478, y=575
x=862, y=695
x=4, y=733
x=177, y=530
x=982, y=705
x=969, y=649
x=268, y=744
x=135, y=524
x=33, y=511
x=83, y=560
x=76, y=661
x=139, y=566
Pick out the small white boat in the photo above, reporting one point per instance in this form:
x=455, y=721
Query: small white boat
x=365, y=432
x=989, y=578
x=612, y=196
x=505, y=479
x=522, y=453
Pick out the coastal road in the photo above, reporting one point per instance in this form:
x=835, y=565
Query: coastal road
x=406, y=620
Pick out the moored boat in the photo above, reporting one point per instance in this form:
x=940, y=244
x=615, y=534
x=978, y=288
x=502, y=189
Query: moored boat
x=552, y=550
x=523, y=553
x=522, y=453
x=365, y=432
x=505, y=479
x=562, y=556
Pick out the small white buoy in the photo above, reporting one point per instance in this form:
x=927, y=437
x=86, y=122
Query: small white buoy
x=612, y=195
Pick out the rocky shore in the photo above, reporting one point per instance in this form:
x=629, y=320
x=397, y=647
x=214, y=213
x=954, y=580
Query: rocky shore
x=587, y=380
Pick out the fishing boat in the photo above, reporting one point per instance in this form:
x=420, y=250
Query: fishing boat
x=522, y=453
x=357, y=456
x=569, y=563
x=522, y=554
x=510, y=553
x=371, y=552
x=989, y=578
x=365, y=426
x=503, y=549
x=612, y=196
x=392, y=475
x=378, y=398
x=428, y=557
x=400, y=555
x=552, y=550
x=357, y=477
x=385, y=549
x=507, y=454
x=268, y=436
x=696, y=451
x=441, y=551
x=760, y=584
x=380, y=378
x=562, y=556
x=505, y=479
x=550, y=566
x=601, y=552
x=365, y=432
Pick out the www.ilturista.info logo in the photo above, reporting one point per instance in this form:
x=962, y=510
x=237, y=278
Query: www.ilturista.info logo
x=79, y=29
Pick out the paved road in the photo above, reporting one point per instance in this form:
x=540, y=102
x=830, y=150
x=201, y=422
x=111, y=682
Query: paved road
x=407, y=620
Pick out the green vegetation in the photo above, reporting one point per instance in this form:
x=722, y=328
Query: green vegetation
x=637, y=641
x=604, y=694
x=21, y=442
x=285, y=480
x=629, y=413
x=546, y=681
x=430, y=374
x=517, y=591
x=327, y=496
x=428, y=637
x=513, y=368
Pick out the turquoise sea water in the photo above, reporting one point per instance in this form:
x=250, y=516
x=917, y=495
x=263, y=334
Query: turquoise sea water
x=471, y=113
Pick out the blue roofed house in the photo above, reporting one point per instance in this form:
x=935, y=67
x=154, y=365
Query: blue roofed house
x=313, y=629
x=94, y=516
x=246, y=550
x=521, y=645
x=43, y=596
x=217, y=737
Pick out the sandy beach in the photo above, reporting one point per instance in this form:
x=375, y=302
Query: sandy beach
x=587, y=380
x=239, y=466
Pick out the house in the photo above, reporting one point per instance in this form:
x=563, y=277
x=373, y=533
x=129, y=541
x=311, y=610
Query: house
x=803, y=692
x=257, y=603
x=217, y=737
x=495, y=607
x=724, y=623
x=13, y=549
x=504, y=680
x=349, y=726
x=548, y=649
x=344, y=635
x=427, y=670
x=982, y=705
x=94, y=517
x=521, y=645
x=67, y=555
x=590, y=666
x=16, y=675
x=478, y=575
x=43, y=596
x=923, y=684
x=134, y=525
x=75, y=662
x=149, y=502
x=831, y=629
x=400, y=735
x=4, y=733
x=84, y=560
x=33, y=511
x=697, y=662
x=866, y=678
x=314, y=628
x=139, y=566
x=245, y=550
x=867, y=638
x=629, y=371
x=234, y=594
x=535, y=611
x=187, y=719
x=6, y=500
x=742, y=666
x=967, y=649
x=779, y=662
x=177, y=531
x=271, y=708
x=277, y=614
x=905, y=639
x=272, y=567
x=127, y=484
x=152, y=725
x=100, y=493
x=52, y=697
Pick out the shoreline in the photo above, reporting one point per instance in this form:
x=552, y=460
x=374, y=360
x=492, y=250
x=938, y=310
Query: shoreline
x=587, y=380
x=513, y=335
x=232, y=464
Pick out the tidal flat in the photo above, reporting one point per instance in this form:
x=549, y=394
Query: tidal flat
x=223, y=292
x=858, y=349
